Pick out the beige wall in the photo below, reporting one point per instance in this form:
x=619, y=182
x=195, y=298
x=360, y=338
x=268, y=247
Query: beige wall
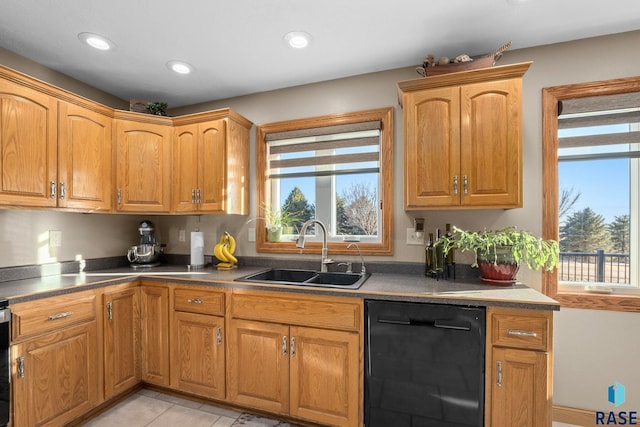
x=593, y=348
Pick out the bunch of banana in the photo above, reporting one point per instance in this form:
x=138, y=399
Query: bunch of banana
x=224, y=249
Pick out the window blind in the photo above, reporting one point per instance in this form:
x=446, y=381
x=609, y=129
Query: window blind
x=599, y=127
x=324, y=151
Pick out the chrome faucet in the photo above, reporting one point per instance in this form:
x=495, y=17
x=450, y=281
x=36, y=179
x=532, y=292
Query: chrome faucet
x=363, y=268
x=300, y=241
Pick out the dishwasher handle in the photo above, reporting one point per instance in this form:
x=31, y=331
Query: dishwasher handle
x=458, y=325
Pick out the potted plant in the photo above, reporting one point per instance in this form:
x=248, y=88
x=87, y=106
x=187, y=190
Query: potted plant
x=277, y=220
x=157, y=108
x=498, y=253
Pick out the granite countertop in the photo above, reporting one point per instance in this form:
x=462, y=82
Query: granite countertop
x=380, y=286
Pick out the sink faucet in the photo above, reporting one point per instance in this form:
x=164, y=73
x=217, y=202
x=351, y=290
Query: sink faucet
x=300, y=241
x=363, y=268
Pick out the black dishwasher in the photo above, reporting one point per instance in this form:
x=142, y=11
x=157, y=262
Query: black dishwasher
x=424, y=365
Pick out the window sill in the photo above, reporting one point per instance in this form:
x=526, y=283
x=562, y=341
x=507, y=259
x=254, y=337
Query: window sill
x=593, y=301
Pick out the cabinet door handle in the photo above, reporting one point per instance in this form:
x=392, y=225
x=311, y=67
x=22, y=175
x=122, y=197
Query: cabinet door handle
x=517, y=333
x=61, y=315
x=465, y=185
x=110, y=310
x=119, y=196
x=499, y=374
x=455, y=184
x=63, y=191
x=193, y=196
x=293, y=346
x=219, y=336
x=20, y=367
x=52, y=189
x=199, y=193
x=284, y=345
x=195, y=301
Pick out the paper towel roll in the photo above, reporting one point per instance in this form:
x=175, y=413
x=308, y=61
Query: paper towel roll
x=197, y=248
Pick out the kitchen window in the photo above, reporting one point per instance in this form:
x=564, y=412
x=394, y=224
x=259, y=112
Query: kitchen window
x=591, y=170
x=337, y=169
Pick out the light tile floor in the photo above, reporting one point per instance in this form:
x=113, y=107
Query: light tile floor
x=149, y=408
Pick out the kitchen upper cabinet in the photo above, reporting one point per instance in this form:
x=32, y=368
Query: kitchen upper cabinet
x=143, y=164
x=28, y=146
x=286, y=351
x=84, y=158
x=198, y=341
x=54, y=359
x=154, y=334
x=121, y=314
x=463, y=139
x=519, y=371
x=211, y=163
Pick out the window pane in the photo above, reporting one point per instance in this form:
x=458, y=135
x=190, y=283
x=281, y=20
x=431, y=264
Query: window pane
x=595, y=214
x=357, y=205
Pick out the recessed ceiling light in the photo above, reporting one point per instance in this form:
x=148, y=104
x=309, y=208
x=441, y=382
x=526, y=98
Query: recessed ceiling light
x=180, y=67
x=297, y=39
x=97, y=41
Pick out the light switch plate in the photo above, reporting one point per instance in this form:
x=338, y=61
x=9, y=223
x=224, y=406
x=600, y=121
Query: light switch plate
x=413, y=239
x=251, y=234
x=181, y=236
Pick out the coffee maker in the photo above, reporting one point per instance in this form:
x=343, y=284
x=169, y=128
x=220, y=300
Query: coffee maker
x=147, y=252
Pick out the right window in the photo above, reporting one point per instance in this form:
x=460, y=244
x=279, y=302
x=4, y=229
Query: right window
x=591, y=181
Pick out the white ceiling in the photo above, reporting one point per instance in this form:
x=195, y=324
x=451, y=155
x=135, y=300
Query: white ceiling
x=237, y=46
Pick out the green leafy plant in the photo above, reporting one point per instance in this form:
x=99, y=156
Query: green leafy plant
x=276, y=218
x=525, y=247
x=157, y=108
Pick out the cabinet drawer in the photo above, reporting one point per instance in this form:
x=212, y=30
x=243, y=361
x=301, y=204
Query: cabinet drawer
x=33, y=318
x=526, y=330
x=198, y=300
x=324, y=312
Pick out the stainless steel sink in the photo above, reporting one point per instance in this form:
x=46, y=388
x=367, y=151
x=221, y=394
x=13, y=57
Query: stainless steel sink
x=307, y=277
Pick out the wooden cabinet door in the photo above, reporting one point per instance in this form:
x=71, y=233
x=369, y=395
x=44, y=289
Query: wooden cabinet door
x=325, y=377
x=185, y=168
x=491, y=144
x=519, y=390
x=143, y=166
x=432, y=148
x=258, y=359
x=84, y=158
x=28, y=146
x=154, y=334
x=55, y=377
x=198, y=355
x=121, y=341
x=213, y=171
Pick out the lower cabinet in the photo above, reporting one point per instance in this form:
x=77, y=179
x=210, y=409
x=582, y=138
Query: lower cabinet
x=121, y=340
x=154, y=336
x=55, y=363
x=198, y=342
x=519, y=380
x=297, y=367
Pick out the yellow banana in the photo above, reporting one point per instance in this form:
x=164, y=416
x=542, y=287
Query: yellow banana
x=232, y=243
x=217, y=251
x=224, y=265
x=229, y=257
x=222, y=238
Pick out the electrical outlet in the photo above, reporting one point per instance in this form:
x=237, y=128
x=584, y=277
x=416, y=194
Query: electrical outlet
x=55, y=238
x=413, y=239
x=181, y=236
x=251, y=234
